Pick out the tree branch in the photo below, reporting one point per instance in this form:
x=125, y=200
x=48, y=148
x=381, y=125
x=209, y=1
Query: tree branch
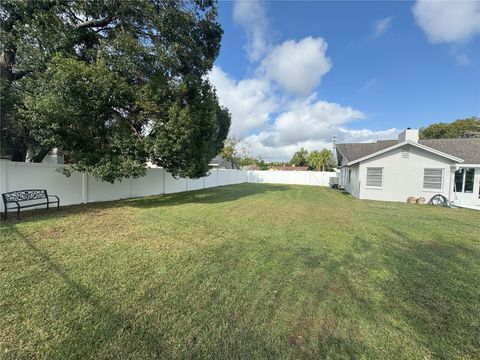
x=94, y=23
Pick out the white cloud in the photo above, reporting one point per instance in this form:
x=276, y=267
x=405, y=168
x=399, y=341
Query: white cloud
x=251, y=16
x=259, y=146
x=250, y=100
x=298, y=66
x=381, y=26
x=309, y=124
x=448, y=21
x=366, y=135
x=370, y=83
x=309, y=120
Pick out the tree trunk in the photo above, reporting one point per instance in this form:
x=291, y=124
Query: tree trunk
x=18, y=153
x=38, y=158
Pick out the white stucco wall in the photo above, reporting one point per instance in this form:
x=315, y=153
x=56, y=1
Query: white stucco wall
x=352, y=186
x=403, y=177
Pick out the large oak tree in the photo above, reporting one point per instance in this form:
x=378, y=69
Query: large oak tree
x=112, y=83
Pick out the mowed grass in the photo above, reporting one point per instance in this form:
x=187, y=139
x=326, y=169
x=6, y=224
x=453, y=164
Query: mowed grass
x=245, y=271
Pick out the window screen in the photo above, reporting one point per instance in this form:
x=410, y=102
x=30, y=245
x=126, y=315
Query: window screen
x=432, y=179
x=374, y=176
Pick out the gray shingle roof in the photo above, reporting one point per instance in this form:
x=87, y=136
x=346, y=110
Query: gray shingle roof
x=467, y=149
x=354, y=151
x=217, y=160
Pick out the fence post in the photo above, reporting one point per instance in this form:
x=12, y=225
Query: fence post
x=163, y=174
x=3, y=178
x=84, y=188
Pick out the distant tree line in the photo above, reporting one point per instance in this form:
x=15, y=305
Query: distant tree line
x=238, y=155
x=462, y=128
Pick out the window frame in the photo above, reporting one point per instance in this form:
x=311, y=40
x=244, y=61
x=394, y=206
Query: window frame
x=381, y=178
x=442, y=180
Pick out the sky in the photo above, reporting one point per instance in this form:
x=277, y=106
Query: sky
x=295, y=73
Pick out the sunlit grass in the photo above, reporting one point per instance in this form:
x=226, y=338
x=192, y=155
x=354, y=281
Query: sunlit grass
x=243, y=271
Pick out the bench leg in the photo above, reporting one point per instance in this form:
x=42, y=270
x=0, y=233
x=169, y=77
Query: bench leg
x=18, y=213
x=5, y=213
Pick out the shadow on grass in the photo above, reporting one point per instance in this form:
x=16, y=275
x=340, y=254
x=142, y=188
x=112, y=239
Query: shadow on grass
x=83, y=342
x=207, y=196
x=204, y=196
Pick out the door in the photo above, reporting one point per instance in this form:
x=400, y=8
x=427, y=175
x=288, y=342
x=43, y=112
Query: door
x=466, y=186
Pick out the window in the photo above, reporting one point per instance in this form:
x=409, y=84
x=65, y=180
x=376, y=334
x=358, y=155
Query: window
x=459, y=180
x=374, y=177
x=469, y=177
x=432, y=179
x=349, y=175
x=405, y=152
x=464, y=179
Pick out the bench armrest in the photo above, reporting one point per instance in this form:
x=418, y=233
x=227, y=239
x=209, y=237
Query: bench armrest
x=55, y=196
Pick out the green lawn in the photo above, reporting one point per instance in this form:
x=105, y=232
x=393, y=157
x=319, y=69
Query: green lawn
x=243, y=271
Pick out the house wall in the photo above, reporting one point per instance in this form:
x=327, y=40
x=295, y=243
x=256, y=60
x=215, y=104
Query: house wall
x=403, y=177
x=351, y=185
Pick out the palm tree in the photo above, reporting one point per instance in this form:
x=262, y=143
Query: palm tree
x=319, y=160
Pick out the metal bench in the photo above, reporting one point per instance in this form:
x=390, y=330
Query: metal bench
x=35, y=197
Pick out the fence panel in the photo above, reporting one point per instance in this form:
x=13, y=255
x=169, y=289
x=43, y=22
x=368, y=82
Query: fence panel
x=151, y=184
x=194, y=184
x=105, y=191
x=211, y=180
x=19, y=176
x=173, y=185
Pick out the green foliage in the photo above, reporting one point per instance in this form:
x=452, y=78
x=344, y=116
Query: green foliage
x=231, y=152
x=113, y=83
x=299, y=158
x=469, y=127
x=321, y=160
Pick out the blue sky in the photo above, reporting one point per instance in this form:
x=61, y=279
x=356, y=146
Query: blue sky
x=295, y=73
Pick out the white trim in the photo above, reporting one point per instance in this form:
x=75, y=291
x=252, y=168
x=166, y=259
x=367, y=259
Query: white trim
x=408, y=142
x=469, y=165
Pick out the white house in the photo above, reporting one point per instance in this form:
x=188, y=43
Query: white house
x=393, y=170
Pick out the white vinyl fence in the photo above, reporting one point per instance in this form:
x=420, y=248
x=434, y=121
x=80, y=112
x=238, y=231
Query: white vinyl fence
x=83, y=188
x=316, y=178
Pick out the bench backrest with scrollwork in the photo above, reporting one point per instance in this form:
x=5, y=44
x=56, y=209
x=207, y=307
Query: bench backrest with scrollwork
x=24, y=195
